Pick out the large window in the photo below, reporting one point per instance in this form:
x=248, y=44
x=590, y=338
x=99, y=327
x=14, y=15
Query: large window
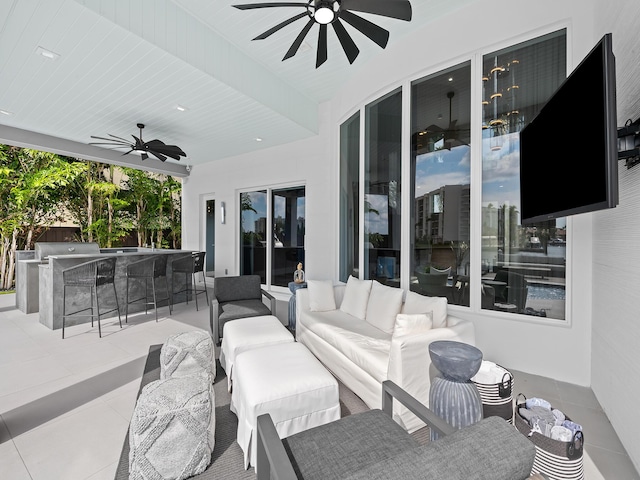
x=519, y=270
x=441, y=171
x=349, y=197
x=284, y=210
x=523, y=267
x=383, y=139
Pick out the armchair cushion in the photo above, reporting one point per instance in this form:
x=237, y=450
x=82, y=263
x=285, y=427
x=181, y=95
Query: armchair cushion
x=487, y=449
x=231, y=289
x=242, y=309
x=340, y=448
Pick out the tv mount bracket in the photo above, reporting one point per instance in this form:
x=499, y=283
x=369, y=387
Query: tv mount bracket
x=629, y=143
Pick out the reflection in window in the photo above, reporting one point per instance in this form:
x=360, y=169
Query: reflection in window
x=523, y=267
x=288, y=233
x=286, y=245
x=441, y=171
x=253, y=235
x=382, y=210
x=349, y=197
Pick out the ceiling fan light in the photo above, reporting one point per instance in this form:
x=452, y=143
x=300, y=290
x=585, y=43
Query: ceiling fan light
x=324, y=16
x=326, y=11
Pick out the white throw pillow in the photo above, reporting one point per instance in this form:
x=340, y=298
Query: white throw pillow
x=416, y=303
x=383, y=306
x=409, y=323
x=321, y=298
x=356, y=297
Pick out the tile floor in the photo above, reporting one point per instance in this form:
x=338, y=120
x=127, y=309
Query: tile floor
x=65, y=405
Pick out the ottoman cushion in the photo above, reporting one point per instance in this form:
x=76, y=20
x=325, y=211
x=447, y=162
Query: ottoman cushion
x=289, y=383
x=187, y=353
x=171, y=435
x=247, y=333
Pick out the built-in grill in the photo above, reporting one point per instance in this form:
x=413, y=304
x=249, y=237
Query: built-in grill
x=45, y=249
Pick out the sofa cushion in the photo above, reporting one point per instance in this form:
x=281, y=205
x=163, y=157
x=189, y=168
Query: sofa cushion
x=416, y=303
x=356, y=297
x=365, y=345
x=410, y=323
x=321, y=297
x=383, y=306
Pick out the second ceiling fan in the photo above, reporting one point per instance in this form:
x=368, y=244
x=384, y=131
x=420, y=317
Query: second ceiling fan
x=325, y=12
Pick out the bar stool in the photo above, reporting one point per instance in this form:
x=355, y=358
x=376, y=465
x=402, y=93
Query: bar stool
x=89, y=275
x=148, y=269
x=190, y=265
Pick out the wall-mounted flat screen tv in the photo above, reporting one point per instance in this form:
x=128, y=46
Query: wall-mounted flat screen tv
x=569, y=151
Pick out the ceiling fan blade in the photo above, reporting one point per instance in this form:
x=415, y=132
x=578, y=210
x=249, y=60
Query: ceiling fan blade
x=299, y=39
x=172, y=151
x=400, y=9
x=250, y=6
x=159, y=156
x=112, y=141
x=348, y=45
x=127, y=153
x=371, y=30
x=321, y=55
x=273, y=30
x=119, y=138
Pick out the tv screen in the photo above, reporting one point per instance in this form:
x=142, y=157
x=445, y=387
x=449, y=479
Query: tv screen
x=568, y=152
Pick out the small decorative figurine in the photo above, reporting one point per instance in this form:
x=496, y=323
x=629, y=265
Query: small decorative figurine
x=298, y=275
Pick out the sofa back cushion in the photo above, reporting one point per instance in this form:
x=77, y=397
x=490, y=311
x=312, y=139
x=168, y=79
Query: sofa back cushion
x=243, y=287
x=416, y=303
x=321, y=297
x=356, y=297
x=383, y=306
x=410, y=323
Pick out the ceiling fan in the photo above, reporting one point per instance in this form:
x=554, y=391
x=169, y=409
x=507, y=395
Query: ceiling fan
x=450, y=135
x=157, y=148
x=325, y=12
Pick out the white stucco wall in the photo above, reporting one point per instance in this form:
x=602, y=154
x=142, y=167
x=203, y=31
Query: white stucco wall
x=597, y=346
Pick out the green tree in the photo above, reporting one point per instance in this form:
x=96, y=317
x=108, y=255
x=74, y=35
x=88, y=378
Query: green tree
x=31, y=183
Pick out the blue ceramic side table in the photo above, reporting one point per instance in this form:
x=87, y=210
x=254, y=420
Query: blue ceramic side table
x=453, y=396
x=293, y=286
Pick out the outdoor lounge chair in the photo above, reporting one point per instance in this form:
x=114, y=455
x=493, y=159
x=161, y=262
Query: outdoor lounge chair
x=237, y=297
x=371, y=445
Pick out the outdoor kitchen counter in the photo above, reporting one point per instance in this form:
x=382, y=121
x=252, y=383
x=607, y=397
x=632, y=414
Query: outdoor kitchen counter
x=50, y=290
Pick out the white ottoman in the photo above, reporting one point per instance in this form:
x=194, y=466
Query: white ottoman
x=290, y=384
x=187, y=353
x=247, y=333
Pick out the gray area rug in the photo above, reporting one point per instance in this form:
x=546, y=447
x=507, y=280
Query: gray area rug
x=227, y=460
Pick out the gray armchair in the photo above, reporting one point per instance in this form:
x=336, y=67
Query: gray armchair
x=237, y=297
x=370, y=445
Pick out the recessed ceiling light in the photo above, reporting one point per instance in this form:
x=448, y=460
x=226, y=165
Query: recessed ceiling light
x=258, y=139
x=180, y=108
x=47, y=53
x=6, y=112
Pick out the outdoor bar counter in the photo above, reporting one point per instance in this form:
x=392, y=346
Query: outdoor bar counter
x=50, y=285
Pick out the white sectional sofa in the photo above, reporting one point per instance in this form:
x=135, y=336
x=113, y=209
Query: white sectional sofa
x=365, y=332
